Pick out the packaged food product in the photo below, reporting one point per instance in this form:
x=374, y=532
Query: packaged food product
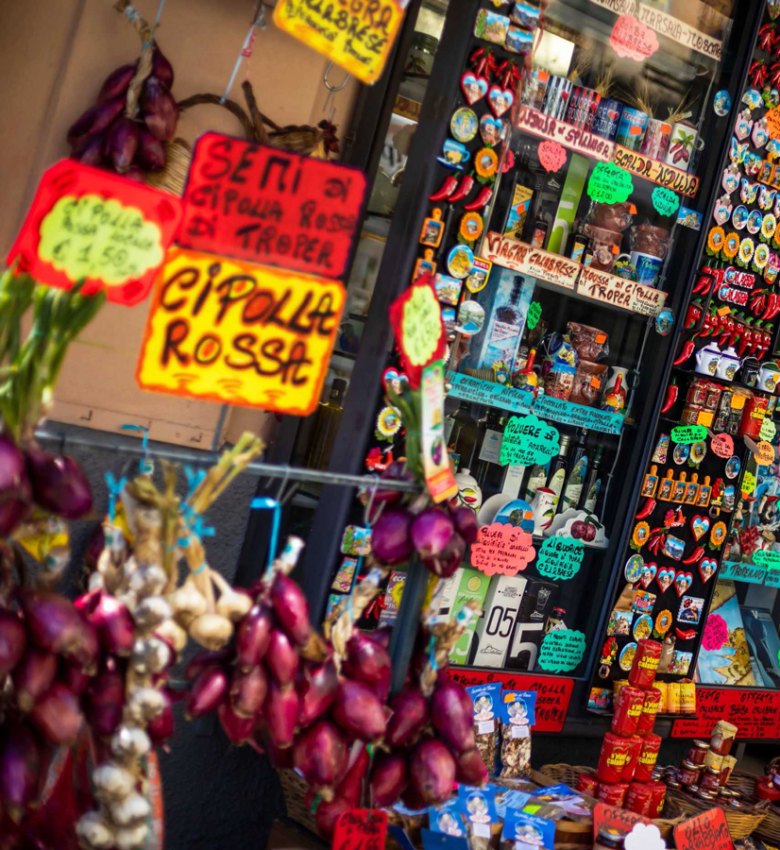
x=588, y=381
x=639, y=799
x=591, y=344
x=525, y=830
x=478, y=809
x=447, y=819
x=652, y=704
x=723, y=735
x=687, y=697
x=697, y=754
x=690, y=772
x=614, y=758
x=659, y=797
x=627, y=710
x=710, y=779
x=729, y=763
x=648, y=756
x=613, y=794
x=587, y=783
x=487, y=702
x=517, y=715
x=559, y=381
x=646, y=660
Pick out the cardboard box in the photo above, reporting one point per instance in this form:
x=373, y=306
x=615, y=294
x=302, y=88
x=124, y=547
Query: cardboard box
x=467, y=585
x=496, y=625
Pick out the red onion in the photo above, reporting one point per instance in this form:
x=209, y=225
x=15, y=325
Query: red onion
x=452, y=715
x=12, y=512
x=390, y=540
x=121, y=143
x=20, y=769
x=59, y=483
x=412, y=800
x=159, y=109
x=104, y=701
x=253, y=636
x=368, y=662
x=95, y=120
x=160, y=727
x=206, y=658
x=33, y=676
x=317, y=690
x=358, y=711
x=281, y=757
x=351, y=786
x=328, y=812
x=431, y=531
x=111, y=618
x=320, y=753
x=281, y=658
x=431, y=772
x=74, y=678
x=117, y=82
x=248, y=690
x=12, y=468
x=207, y=692
x=470, y=769
x=449, y=559
x=382, y=636
x=56, y=625
x=465, y=523
x=58, y=715
x=389, y=777
x=410, y=714
x=396, y=471
x=291, y=608
x=238, y=729
x=13, y=640
x=151, y=151
x=280, y=711
x=161, y=67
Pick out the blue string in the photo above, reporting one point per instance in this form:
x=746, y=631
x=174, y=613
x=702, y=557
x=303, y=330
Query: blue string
x=157, y=17
x=263, y=503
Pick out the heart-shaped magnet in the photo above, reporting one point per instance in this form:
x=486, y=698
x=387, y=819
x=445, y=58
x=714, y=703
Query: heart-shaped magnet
x=682, y=583
x=707, y=568
x=760, y=134
x=730, y=180
x=723, y=208
x=491, y=130
x=648, y=575
x=394, y=381
x=500, y=100
x=665, y=578
x=700, y=525
x=743, y=125
x=474, y=88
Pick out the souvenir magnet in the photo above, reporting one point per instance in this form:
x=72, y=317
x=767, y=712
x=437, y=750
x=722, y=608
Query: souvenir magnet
x=723, y=210
x=753, y=164
x=768, y=226
x=388, y=422
x=491, y=27
x=633, y=569
x=643, y=627
x=760, y=134
x=743, y=125
x=761, y=257
x=707, y=568
x=739, y=218
x=433, y=229
x=730, y=246
x=640, y=534
x=682, y=583
x=626, y=657
x=717, y=535
x=678, y=492
x=680, y=453
x=649, y=572
x=447, y=288
x=730, y=179
x=738, y=152
x=518, y=40
x=460, y=261
x=698, y=453
x=474, y=87
x=454, y=154
x=721, y=103
x=691, y=490
x=486, y=162
x=643, y=602
x=661, y=450
x=471, y=226
x=424, y=265
x=754, y=222
x=665, y=578
x=674, y=548
x=478, y=276
x=394, y=381
x=491, y=130
x=748, y=191
x=650, y=483
x=664, y=322
x=747, y=248
x=464, y=124
x=766, y=197
x=700, y=525
x=500, y=100
x=471, y=317
x=752, y=98
x=663, y=622
x=733, y=467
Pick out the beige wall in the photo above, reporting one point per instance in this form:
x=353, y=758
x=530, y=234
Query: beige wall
x=54, y=55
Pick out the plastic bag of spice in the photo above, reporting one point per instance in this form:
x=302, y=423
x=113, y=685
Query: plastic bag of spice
x=486, y=700
x=478, y=810
x=517, y=714
x=525, y=830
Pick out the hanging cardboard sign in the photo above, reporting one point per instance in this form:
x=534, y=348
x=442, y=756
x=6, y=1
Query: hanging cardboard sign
x=665, y=201
x=620, y=292
x=361, y=829
x=88, y=224
x=270, y=206
x=755, y=713
x=357, y=36
x=236, y=333
x=568, y=136
x=631, y=39
x=436, y=460
x=502, y=550
x=722, y=445
x=657, y=172
x=419, y=330
x=707, y=831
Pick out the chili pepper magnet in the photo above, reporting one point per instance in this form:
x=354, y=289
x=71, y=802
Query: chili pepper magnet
x=672, y=392
x=694, y=557
x=640, y=535
x=685, y=634
x=647, y=509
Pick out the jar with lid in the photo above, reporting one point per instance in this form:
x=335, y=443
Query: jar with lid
x=705, y=795
x=698, y=752
x=724, y=733
x=690, y=772
x=710, y=779
x=609, y=839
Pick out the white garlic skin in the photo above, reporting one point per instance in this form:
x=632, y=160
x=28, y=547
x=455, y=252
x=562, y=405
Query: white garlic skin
x=94, y=833
x=130, y=811
x=151, y=612
x=234, y=605
x=145, y=704
x=112, y=783
x=211, y=631
x=187, y=603
x=151, y=655
x=173, y=633
x=132, y=838
x=148, y=581
x=130, y=742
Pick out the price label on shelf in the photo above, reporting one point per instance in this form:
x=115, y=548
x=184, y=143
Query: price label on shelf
x=609, y=184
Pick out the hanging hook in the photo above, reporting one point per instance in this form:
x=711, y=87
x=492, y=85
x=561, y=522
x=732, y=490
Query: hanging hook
x=146, y=464
x=329, y=85
x=367, y=517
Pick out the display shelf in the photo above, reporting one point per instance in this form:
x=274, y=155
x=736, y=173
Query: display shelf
x=724, y=382
x=571, y=278
x=522, y=402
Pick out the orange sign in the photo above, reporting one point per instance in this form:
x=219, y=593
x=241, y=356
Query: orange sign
x=236, y=333
x=357, y=35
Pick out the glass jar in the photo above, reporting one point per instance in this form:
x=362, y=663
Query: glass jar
x=698, y=752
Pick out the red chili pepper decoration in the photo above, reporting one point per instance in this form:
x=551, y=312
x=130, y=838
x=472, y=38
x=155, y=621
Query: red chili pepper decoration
x=446, y=189
x=646, y=509
x=758, y=74
x=766, y=36
x=481, y=200
x=774, y=74
x=685, y=352
x=672, y=392
x=685, y=634
x=745, y=341
x=465, y=186
x=695, y=556
x=692, y=315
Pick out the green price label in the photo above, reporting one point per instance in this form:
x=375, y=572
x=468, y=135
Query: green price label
x=527, y=441
x=420, y=326
x=609, y=184
x=748, y=483
x=560, y=558
x=665, y=201
x=687, y=434
x=562, y=650
x=534, y=314
x=768, y=430
x=766, y=558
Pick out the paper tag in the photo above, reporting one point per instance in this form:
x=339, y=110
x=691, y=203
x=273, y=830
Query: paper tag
x=521, y=732
x=481, y=830
x=361, y=829
x=486, y=727
x=439, y=476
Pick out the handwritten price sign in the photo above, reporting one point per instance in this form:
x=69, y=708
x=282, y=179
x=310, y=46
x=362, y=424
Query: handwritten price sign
x=552, y=155
x=266, y=205
x=560, y=558
x=87, y=224
x=235, y=333
x=419, y=330
x=609, y=184
x=562, y=650
x=502, y=550
x=755, y=713
x=356, y=36
x=707, y=831
x=631, y=39
x=528, y=440
x=361, y=829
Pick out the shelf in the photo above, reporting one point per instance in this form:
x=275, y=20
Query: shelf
x=522, y=402
x=732, y=385
x=570, y=277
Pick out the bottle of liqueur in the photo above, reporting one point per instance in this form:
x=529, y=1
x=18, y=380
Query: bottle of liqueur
x=558, y=466
x=491, y=435
x=578, y=470
x=326, y=425
x=593, y=488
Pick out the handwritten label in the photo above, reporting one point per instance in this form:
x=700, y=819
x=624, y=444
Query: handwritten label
x=666, y=25
x=688, y=434
x=764, y=453
x=748, y=483
x=502, y=550
x=615, y=818
x=657, y=172
x=528, y=441
x=620, y=292
x=562, y=650
x=665, y=201
x=766, y=558
x=439, y=477
x=87, y=224
x=722, y=445
x=631, y=39
x=773, y=122
x=707, y=831
x=715, y=634
x=361, y=829
x=755, y=713
x=578, y=415
x=768, y=430
x=772, y=579
x=738, y=571
x=560, y=558
x=534, y=314
x=520, y=257
x=236, y=333
x=553, y=693
x=573, y=138
x=609, y=184
x=357, y=36
x=489, y=393
x=419, y=330
x=552, y=155
x=271, y=206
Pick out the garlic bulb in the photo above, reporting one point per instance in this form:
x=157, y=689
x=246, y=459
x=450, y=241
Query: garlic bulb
x=151, y=655
x=234, y=605
x=112, y=782
x=151, y=613
x=132, y=838
x=148, y=581
x=130, y=810
x=187, y=603
x=211, y=631
x=172, y=633
x=130, y=742
x=145, y=704
x=94, y=833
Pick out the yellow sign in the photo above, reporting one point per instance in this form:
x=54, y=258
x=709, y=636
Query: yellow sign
x=355, y=34
x=239, y=333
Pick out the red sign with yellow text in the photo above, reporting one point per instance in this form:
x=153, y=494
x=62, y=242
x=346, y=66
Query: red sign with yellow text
x=88, y=224
x=270, y=206
x=236, y=333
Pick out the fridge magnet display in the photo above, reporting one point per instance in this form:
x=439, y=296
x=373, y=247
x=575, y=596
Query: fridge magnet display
x=419, y=332
x=721, y=103
x=490, y=26
x=626, y=657
x=209, y=335
x=562, y=651
x=682, y=582
x=447, y=288
x=633, y=568
x=717, y=535
x=700, y=525
x=267, y=205
x=473, y=86
x=491, y=130
x=471, y=318
x=518, y=40
x=460, y=261
x=77, y=230
x=357, y=41
x=464, y=124
x=432, y=229
x=663, y=622
x=552, y=155
x=631, y=39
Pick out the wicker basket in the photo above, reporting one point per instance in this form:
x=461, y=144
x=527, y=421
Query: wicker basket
x=294, y=788
x=741, y=823
x=769, y=829
x=744, y=783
